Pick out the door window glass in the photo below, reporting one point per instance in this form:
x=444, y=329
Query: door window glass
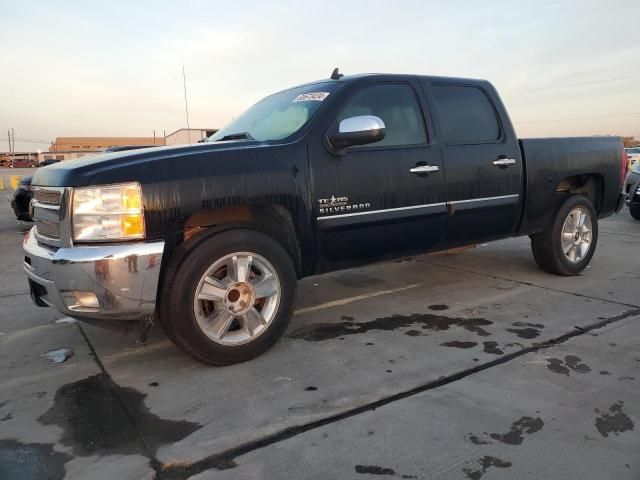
x=398, y=108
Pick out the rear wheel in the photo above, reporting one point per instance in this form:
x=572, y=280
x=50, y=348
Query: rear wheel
x=567, y=246
x=635, y=211
x=230, y=298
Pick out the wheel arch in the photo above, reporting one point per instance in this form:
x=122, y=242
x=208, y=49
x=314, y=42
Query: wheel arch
x=591, y=185
x=270, y=219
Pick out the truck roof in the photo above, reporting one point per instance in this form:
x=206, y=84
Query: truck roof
x=394, y=76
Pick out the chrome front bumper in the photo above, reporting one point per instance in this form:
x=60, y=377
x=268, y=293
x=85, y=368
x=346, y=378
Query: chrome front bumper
x=110, y=282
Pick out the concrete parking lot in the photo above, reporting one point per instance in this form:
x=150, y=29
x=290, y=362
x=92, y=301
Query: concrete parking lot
x=450, y=366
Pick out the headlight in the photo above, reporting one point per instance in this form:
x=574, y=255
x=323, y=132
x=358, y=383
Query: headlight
x=110, y=212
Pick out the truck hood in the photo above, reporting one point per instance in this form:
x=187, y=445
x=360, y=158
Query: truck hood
x=80, y=171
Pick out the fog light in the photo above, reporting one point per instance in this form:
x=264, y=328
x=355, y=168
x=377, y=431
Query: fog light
x=81, y=301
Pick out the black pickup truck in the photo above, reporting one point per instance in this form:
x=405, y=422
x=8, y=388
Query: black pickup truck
x=210, y=239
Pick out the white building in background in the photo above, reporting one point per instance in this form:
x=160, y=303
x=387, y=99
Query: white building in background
x=190, y=135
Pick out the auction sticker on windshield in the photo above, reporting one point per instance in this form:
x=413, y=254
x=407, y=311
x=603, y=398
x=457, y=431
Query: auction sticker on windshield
x=311, y=96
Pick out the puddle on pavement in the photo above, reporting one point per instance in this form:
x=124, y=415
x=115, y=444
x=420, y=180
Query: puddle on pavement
x=59, y=356
x=94, y=422
x=31, y=461
x=485, y=462
x=527, y=330
x=522, y=426
x=492, y=348
x=459, y=344
x=570, y=363
x=426, y=321
x=438, y=307
x=377, y=470
x=616, y=421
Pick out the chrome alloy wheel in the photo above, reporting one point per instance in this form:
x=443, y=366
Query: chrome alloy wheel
x=237, y=298
x=576, y=234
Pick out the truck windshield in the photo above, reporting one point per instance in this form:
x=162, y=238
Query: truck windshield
x=279, y=115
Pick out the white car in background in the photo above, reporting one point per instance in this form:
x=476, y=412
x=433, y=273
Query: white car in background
x=633, y=153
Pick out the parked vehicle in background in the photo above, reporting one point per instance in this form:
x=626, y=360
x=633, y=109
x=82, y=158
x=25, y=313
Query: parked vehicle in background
x=211, y=238
x=632, y=189
x=48, y=161
x=22, y=162
x=20, y=199
x=634, y=156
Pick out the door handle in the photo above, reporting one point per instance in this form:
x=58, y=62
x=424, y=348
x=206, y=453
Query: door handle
x=424, y=169
x=504, y=162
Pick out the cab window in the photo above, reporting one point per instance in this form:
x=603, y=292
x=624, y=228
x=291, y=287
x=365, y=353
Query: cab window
x=466, y=114
x=397, y=106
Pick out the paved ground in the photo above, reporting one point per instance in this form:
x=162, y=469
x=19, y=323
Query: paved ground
x=448, y=366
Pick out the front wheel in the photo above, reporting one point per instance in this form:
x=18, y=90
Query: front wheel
x=635, y=211
x=567, y=246
x=230, y=298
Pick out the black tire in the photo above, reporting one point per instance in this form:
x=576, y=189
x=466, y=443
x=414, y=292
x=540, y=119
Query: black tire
x=634, y=210
x=176, y=313
x=547, y=245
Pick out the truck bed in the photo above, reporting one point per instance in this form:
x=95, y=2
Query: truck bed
x=549, y=161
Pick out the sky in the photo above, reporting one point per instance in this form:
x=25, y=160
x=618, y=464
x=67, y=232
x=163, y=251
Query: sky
x=114, y=68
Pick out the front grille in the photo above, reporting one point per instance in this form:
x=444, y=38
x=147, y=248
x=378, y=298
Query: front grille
x=48, y=229
x=47, y=197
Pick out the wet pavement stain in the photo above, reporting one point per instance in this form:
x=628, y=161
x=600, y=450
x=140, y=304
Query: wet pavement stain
x=522, y=426
x=31, y=461
x=616, y=421
x=326, y=331
x=476, y=440
x=486, y=462
x=7, y=417
x=570, y=363
x=59, y=356
x=93, y=421
x=413, y=333
x=459, y=344
x=526, y=330
x=525, y=425
x=438, y=307
x=376, y=470
x=492, y=348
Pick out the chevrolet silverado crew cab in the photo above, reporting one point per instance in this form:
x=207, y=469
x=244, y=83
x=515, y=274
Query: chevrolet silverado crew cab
x=211, y=238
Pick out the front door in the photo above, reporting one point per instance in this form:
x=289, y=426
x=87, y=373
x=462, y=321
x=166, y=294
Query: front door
x=386, y=198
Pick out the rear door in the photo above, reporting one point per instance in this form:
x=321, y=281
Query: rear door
x=483, y=163
x=385, y=198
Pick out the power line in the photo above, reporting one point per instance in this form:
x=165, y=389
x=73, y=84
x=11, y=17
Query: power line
x=579, y=118
x=569, y=85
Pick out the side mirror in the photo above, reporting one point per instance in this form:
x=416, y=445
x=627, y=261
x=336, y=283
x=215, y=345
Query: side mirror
x=359, y=130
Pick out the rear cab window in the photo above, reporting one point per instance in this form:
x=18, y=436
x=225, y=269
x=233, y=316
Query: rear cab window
x=466, y=114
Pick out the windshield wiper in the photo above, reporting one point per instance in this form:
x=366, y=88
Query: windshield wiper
x=236, y=136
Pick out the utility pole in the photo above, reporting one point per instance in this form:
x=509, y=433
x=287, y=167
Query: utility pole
x=13, y=140
x=186, y=106
x=9, y=139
